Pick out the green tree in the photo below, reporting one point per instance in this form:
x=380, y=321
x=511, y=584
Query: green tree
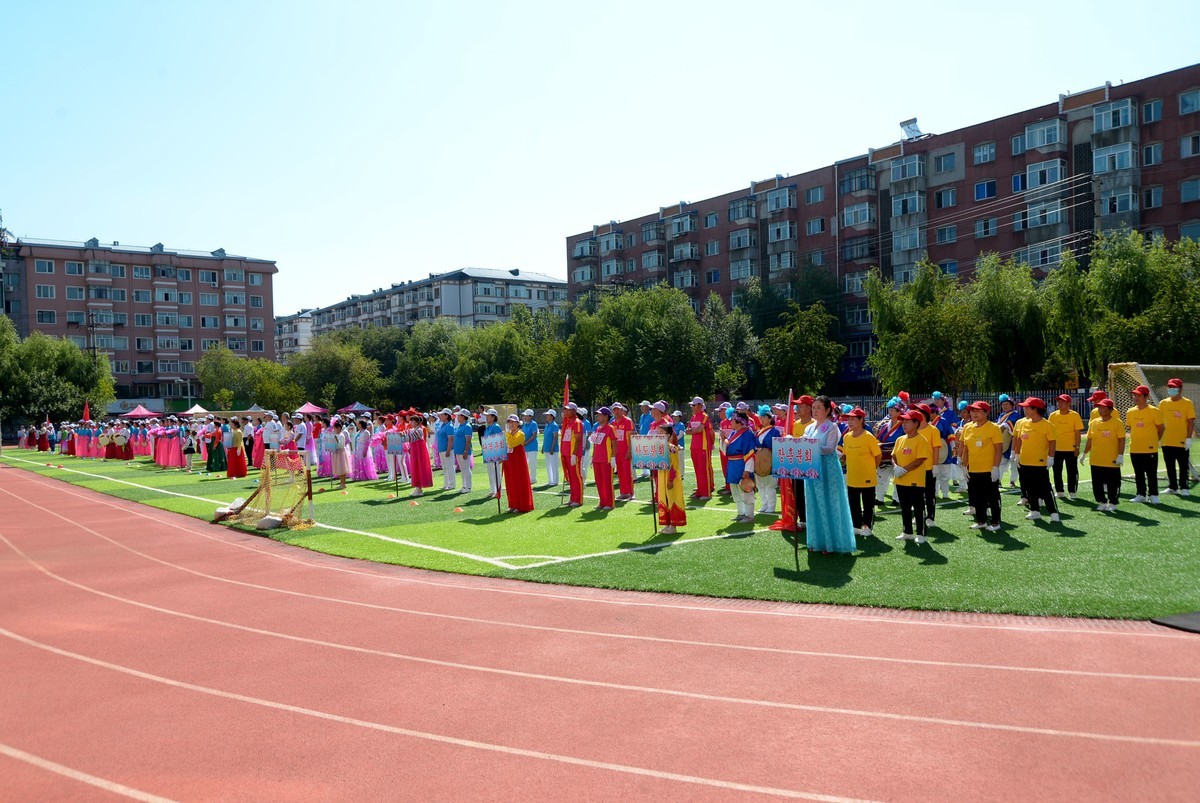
x=223, y=399
x=1069, y=311
x=1005, y=297
x=221, y=369
x=44, y=376
x=489, y=364
x=801, y=353
x=332, y=361
x=424, y=374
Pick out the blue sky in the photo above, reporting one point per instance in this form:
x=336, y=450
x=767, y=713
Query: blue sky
x=360, y=144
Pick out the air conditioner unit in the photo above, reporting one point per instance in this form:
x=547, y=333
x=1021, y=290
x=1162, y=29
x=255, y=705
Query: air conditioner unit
x=215, y=284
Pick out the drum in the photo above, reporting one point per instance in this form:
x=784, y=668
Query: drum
x=121, y=440
x=1006, y=436
x=104, y=440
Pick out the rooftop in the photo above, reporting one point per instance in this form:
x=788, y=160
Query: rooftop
x=116, y=247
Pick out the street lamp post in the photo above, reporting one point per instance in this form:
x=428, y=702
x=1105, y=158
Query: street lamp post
x=179, y=381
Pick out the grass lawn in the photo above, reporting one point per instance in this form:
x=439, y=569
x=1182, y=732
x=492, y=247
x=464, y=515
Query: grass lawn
x=1142, y=562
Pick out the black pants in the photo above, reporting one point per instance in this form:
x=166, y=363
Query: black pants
x=1035, y=480
x=930, y=494
x=1069, y=460
x=1176, y=458
x=912, y=500
x=983, y=494
x=798, y=494
x=1106, y=484
x=862, y=506
x=1145, y=472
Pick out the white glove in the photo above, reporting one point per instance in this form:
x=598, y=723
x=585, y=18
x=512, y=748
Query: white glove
x=1082, y=458
x=1120, y=460
x=900, y=472
x=613, y=463
x=1187, y=443
x=574, y=459
x=996, y=474
x=1049, y=461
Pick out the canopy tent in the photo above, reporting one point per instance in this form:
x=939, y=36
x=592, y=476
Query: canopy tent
x=357, y=407
x=309, y=407
x=141, y=412
x=195, y=409
x=254, y=408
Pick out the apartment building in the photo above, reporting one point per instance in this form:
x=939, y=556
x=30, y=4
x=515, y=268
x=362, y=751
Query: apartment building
x=292, y=335
x=154, y=311
x=1027, y=185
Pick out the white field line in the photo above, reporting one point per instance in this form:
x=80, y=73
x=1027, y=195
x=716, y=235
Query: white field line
x=82, y=777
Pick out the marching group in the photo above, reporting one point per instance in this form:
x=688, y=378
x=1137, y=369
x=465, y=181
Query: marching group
x=919, y=449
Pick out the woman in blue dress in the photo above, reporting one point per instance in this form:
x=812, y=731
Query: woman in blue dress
x=826, y=502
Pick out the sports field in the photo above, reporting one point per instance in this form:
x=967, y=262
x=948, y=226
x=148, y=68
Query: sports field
x=1143, y=561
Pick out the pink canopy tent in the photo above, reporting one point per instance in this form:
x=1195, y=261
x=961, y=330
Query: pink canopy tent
x=356, y=408
x=141, y=412
x=309, y=407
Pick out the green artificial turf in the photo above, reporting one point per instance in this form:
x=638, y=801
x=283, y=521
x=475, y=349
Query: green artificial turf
x=1142, y=562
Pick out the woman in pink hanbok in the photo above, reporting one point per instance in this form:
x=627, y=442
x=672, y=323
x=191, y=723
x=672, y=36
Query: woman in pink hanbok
x=363, y=466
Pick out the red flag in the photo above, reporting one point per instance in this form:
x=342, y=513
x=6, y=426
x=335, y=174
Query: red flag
x=787, y=491
x=791, y=414
x=566, y=390
x=87, y=415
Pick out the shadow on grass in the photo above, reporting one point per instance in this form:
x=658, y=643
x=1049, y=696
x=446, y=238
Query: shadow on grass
x=1002, y=539
x=928, y=555
x=872, y=547
x=646, y=547
x=1122, y=514
x=825, y=571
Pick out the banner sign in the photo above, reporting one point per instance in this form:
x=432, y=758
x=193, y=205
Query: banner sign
x=395, y=443
x=650, y=452
x=796, y=458
x=329, y=441
x=495, y=448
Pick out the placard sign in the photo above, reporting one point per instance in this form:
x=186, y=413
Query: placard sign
x=329, y=441
x=495, y=448
x=796, y=458
x=395, y=443
x=650, y=452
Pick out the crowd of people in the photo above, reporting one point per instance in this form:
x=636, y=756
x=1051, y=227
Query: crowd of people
x=918, y=450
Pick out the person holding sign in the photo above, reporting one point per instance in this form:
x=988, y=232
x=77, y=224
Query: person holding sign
x=492, y=427
x=603, y=452
x=829, y=526
x=1106, y=448
x=516, y=468
x=572, y=453
x=739, y=466
x=550, y=446
x=912, y=458
x=462, y=449
x=530, y=429
x=338, y=447
x=622, y=430
x=671, y=513
x=645, y=424
x=701, y=430
x=862, y=455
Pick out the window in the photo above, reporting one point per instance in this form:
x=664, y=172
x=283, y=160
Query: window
x=256, y=324
x=210, y=322
x=862, y=178
x=166, y=319
x=630, y=240
x=784, y=198
x=208, y=277
x=1045, y=133
x=859, y=248
x=984, y=153
x=257, y=345
x=1018, y=144
x=144, y=367
x=168, y=366
x=76, y=316
x=1114, y=157
x=1152, y=111
x=73, y=268
x=239, y=343
x=1152, y=198
x=120, y=318
x=117, y=294
x=782, y=261
x=608, y=242
x=236, y=299
x=711, y=220
x=944, y=199
x=141, y=271
x=43, y=266
x=1043, y=173
x=858, y=214
x=814, y=195
x=1019, y=182
x=210, y=343
x=143, y=319
x=234, y=275
x=854, y=283
x=742, y=209
x=584, y=274
x=743, y=238
x=712, y=276
x=1189, y=102
x=903, y=274
x=1118, y=114
x=120, y=366
x=164, y=272
x=610, y=267
x=185, y=298
x=949, y=267
x=712, y=248
x=77, y=340
x=235, y=322
x=684, y=278
x=75, y=294
x=947, y=234
x=858, y=314
x=256, y=279
x=165, y=295
x=814, y=258
x=778, y=232
x=46, y=316
x=907, y=167
x=186, y=367
x=814, y=226
x=741, y=268
x=1115, y=202
x=186, y=344
x=141, y=296
x=1189, y=145
x=908, y=239
x=1020, y=220
x=185, y=274
x=985, y=189
x=1152, y=154
x=168, y=344
x=630, y=267
x=1189, y=190
x=1045, y=254
x=208, y=299
x=682, y=224
x=652, y=259
x=908, y=203
x=652, y=232
x=44, y=291
x=144, y=343
x=985, y=227
x=943, y=162
x=1045, y=214
x=860, y=348
x=1190, y=231
x=256, y=301
x=116, y=271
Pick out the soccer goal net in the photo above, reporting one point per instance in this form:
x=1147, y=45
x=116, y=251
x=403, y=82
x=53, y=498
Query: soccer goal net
x=1123, y=377
x=284, y=485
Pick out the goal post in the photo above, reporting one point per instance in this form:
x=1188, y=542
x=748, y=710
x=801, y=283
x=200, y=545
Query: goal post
x=284, y=485
x=1123, y=377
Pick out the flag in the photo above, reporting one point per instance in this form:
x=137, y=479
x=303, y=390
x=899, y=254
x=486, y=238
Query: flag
x=791, y=414
x=87, y=415
x=787, y=491
x=567, y=390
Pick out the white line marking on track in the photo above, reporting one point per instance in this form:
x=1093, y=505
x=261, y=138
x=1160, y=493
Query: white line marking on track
x=423, y=735
x=644, y=548
x=82, y=777
x=846, y=616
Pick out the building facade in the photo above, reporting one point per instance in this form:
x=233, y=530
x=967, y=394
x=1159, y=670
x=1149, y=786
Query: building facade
x=469, y=296
x=154, y=311
x=1025, y=186
x=292, y=335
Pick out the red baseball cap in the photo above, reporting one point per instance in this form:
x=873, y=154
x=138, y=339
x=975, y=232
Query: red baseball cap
x=858, y=412
x=1063, y=397
x=925, y=408
x=1106, y=403
x=805, y=399
x=913, y=415
x=1175, y=382
x=1142, y=390
x=1033, y=401
x=981, y=405
x=1097, y=395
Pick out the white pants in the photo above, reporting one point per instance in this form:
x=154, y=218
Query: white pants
x=883, y=475
x=395, y=462
x=1010, y=466
x=942, y=474
x=493, y=472
x=744, y=500
x=583, y=466
x=766, y=486
x=531, y=460
x=552, y=468
x=448, y=473
x=464, y=467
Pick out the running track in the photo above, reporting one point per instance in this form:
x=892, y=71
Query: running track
x=149, y=655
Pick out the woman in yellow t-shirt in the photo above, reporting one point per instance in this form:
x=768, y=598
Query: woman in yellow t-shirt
x=862, y=454
x=1145, y=424
x=1033, y=444
x=936, y=445
x=1068, y=427
x=912, y=458
x=1106, y=447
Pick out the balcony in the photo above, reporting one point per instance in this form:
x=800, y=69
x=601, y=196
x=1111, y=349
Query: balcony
x=585, y=250
x=685, y=253
x=743, y=211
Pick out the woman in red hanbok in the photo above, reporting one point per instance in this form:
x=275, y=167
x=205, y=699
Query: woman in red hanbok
x=516, y=470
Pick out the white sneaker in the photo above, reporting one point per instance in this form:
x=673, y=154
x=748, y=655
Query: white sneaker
x=1059, y=494
x=1168, y=491
x=979, y=525
x=1185, y=492
x=969, y=511
x=1054, y=517
x=1023, y=503
x=1101, y=508
x=920, y=539
x=668, y=530
x=993, y=528
x=928, y=522
x=1138, y=498
x=1071, y=497
x=1033, y=515
x=905, y=537
x=866, y=532
x=1154, y=500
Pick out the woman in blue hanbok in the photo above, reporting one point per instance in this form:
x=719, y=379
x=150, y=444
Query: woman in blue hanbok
x=826, y=502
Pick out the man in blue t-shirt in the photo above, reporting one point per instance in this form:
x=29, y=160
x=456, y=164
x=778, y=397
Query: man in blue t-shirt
x=550, y=446
x=529, y=429
x=444, y=441
x=462, y=448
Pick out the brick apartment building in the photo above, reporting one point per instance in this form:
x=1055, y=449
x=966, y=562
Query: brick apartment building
x=1027, y=186
x=152, y=310
x=293, y=333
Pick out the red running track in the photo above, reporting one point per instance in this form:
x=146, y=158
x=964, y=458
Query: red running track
x=157, y=657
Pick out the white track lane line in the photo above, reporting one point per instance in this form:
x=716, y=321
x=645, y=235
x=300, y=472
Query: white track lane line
x=82, y=777
x=603, y=634
x=423, y=735
x=846, y=616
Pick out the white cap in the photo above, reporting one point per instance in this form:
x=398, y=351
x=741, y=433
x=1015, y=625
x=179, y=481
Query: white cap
x=551, y=413
x=528, y=412
x=660, y=406
x=492, y=412
x=581, y=410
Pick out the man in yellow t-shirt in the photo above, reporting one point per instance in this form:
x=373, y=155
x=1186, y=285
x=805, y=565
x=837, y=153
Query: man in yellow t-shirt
x=912, y=458
x=981, y=448
x=1145, y=424
x=1179, y=421
x=1106, y=449
x=1033, y=444
x=862, y=453
x=1068, y=427
x=1096, y=397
